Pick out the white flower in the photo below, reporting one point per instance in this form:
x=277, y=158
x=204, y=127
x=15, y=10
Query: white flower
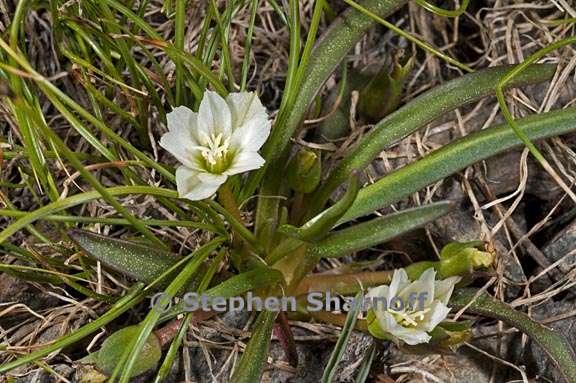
x=420, y=313
x=221, y=140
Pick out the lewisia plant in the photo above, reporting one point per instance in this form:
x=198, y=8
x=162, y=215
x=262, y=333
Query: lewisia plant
x=252, y=206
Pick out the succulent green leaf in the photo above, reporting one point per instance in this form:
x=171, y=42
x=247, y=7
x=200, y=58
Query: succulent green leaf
x=378, y=230
x=115, y=345
x=421, y=111
x=454, y=248
x=556, y=346
x=258, y=278
x=383, y=93
x=304, y=171
x=147, y=325
x=455, y=157
x=138, y=261
x=255, y=355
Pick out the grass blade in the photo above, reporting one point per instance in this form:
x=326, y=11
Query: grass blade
x=79, y=199
x=338, y=353
x=133, y=297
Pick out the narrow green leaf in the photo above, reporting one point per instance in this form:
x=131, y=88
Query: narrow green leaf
x=255, y=355
x=444, y=12
x=141, y=262
x=378, y=230
x=455, y=157
x=113, y=347
x=79, y=199
x=148, y=324
x=257, y=278
x=555, y=345
x=317, y=227
x=340, y=347
x=364, y=369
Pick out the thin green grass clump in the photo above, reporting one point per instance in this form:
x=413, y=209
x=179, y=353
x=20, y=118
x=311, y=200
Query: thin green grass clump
x=231, y=202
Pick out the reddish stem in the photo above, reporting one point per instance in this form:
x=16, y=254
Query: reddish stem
x=284, y=335
x=167, y=333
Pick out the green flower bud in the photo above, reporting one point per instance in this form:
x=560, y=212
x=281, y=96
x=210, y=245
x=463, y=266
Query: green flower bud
x=456, y=259
x=304, y=171
x=383, y=93
x=115, y=345
x=449, y=334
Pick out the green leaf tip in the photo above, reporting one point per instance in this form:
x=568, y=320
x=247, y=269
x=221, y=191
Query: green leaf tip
x=555, y=345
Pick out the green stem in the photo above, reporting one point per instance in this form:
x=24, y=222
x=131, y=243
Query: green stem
x=227, y=199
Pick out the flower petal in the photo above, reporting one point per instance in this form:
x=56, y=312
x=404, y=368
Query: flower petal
x=245, y=106
x=377, y=296
x=251, y=135
x=209, y=178
x=438, y=312
x=196, y=186
x=180, y=140
x=413, y=337
x=399, y=282
x=214, y=117
x=424, y=285
x=410, y=336
x=243, y=162
x=443, y=289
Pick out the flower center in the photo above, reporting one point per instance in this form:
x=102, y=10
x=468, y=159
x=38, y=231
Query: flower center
x=409, y=318
x=215, y=153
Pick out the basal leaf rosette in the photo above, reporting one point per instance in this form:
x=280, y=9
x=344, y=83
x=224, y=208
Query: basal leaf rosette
x=410, y=310
x=221, y=140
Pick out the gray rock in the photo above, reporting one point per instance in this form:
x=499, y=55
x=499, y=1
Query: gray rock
x=13, y=289
x=560, y=246
x=313, y=358
x=453, y=368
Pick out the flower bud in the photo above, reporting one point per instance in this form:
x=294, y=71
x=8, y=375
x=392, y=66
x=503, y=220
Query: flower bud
x=456, y=259
x=304, y=171
x=383, y=93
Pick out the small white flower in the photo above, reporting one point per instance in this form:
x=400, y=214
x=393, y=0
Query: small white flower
x=221, y=140
x=413, y=323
